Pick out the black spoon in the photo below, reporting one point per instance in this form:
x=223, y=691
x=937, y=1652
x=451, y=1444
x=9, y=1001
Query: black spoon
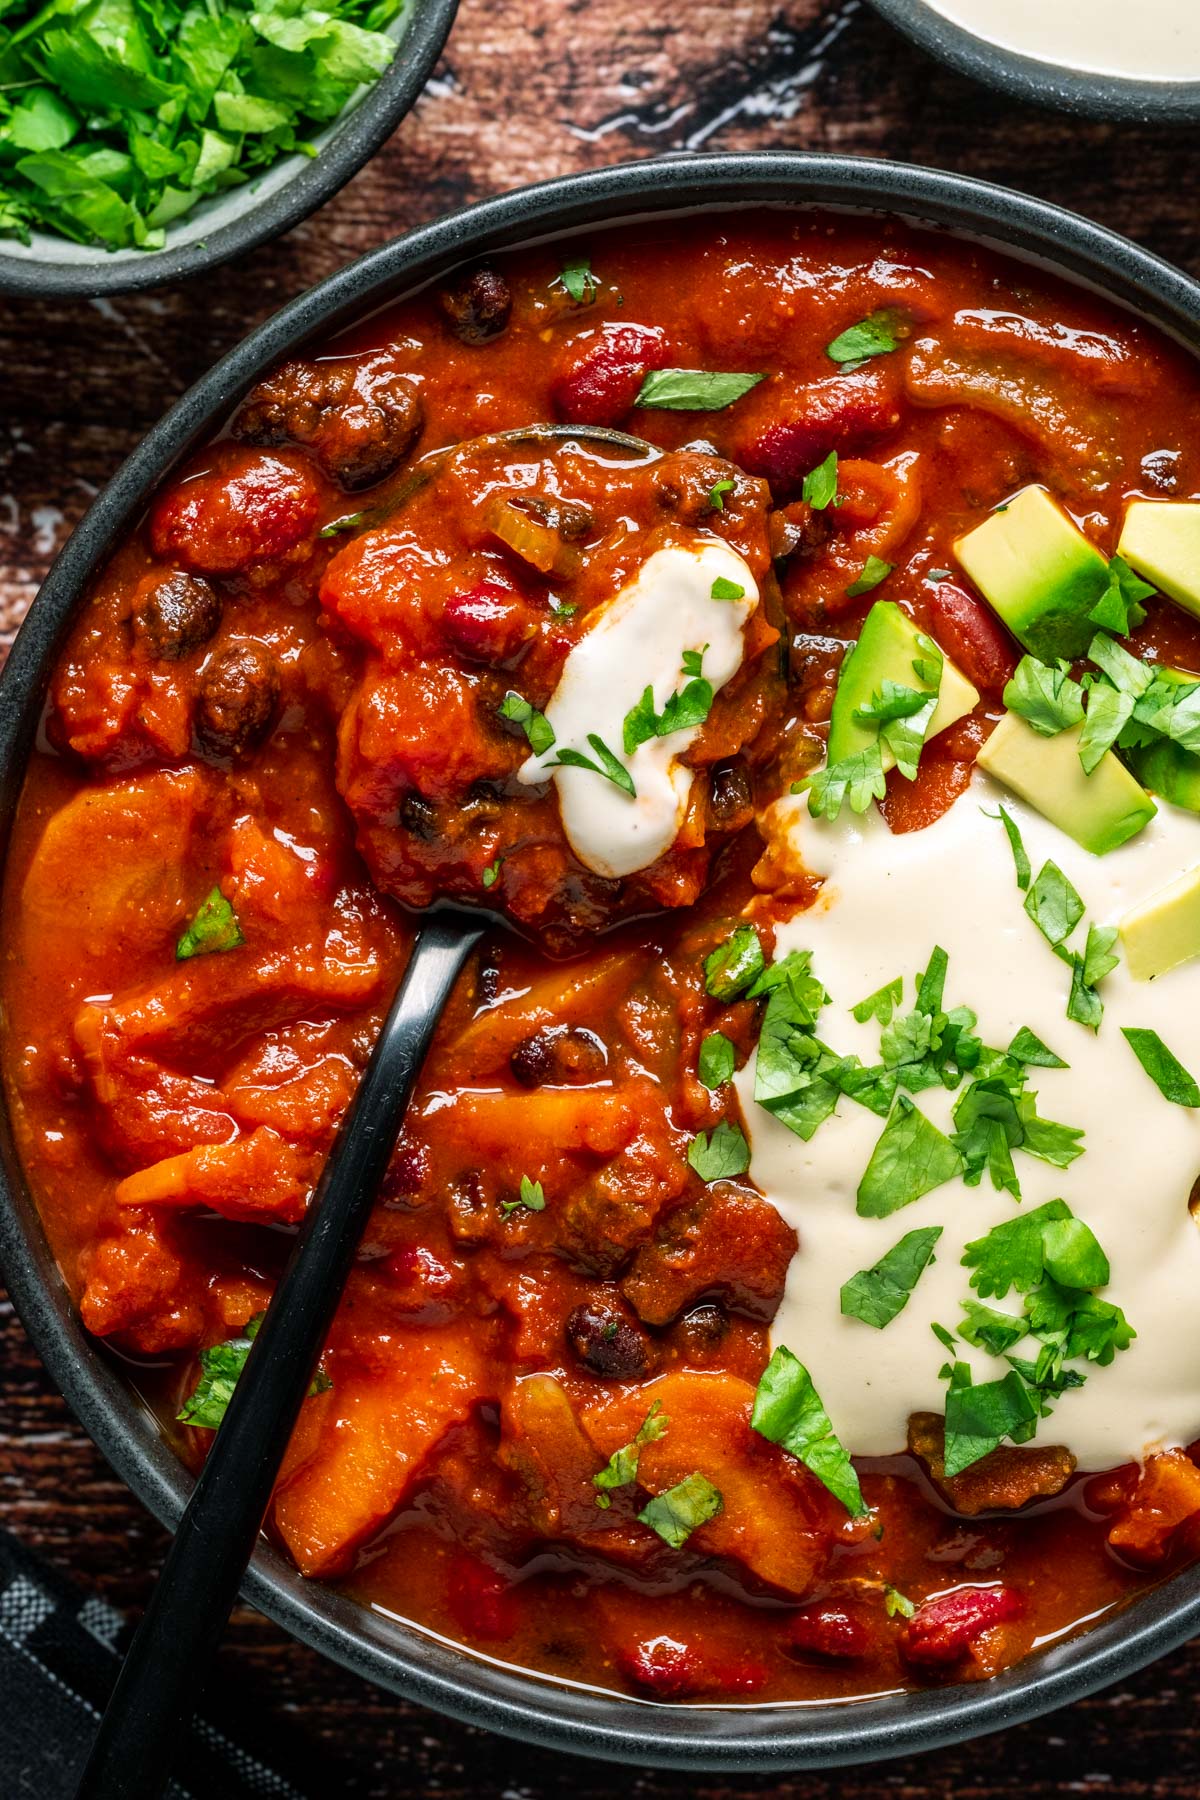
x=152, y=1702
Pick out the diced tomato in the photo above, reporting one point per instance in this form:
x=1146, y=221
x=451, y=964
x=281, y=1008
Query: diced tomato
x=828, y=1631
x=670, y=1670
x=248, y=507
x=482, y=1601
x=601, y=384
x=943, y=1630
x=911, y=805
x=972, y=638
x=421, y=1285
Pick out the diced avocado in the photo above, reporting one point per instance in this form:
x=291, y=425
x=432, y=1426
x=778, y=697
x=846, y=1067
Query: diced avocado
x=1164, y=930
x=1099, y=811
x=887, y=647
x=1034, y=565
x=1161, y=540
x=1166, y=768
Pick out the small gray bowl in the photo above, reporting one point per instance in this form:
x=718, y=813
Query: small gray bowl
x=398, y=1655
x=271, y=202
x=1082, y=91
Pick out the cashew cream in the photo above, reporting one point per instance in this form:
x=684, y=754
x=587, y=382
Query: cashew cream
x=1157, y=40
x=886, y=901
x=638, y=640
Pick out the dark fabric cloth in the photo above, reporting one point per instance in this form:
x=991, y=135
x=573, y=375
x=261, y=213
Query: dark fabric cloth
x=59, y=1655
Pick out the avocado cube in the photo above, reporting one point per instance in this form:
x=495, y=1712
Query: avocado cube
x=887, y=647
x=1164, y=930
x=1161, y=540
x=1099, y=811
x=1035, y=567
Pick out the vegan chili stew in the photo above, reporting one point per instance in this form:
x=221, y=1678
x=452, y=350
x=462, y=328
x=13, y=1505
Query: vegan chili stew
x=788, y=625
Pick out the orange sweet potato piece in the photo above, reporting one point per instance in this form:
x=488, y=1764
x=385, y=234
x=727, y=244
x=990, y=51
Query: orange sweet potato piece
x=256, y=1177
x=377, y=1435
x=543, y=1444
x=1166, y=1498
x=775, y=1518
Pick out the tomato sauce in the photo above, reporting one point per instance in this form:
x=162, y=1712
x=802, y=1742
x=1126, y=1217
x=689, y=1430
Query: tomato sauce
x=287, y=688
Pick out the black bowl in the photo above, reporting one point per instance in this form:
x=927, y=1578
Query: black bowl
x=399, y=1656
x=272, y=202
x=1084, y=91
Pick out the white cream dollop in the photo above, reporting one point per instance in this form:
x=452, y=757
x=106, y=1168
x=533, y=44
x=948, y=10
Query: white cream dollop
x=638, y=640
x=886, y=901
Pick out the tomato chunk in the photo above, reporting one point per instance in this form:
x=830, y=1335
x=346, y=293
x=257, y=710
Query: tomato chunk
x=943, y=1630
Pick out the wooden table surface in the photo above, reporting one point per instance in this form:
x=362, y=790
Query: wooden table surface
x=526, y=91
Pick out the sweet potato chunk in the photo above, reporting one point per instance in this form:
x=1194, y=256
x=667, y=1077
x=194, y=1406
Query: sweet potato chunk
x=1007, y=1478
x=728, y=1242
x=543, y=1444
x=138, y=1288
x=375, y=1440
x=257, y=1177
x=1167, y=1497
x=774, y=1518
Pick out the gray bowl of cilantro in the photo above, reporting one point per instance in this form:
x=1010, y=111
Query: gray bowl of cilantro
x=143, y=140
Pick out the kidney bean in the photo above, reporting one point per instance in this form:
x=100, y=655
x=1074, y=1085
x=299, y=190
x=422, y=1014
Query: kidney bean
x=826, y=1630
x=972, y=638
x=942, y=1631
x=601, y=384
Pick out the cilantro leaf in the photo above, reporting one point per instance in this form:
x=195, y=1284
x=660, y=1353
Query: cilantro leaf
x=1087, y=971
x=1165, y=1071
x=622, y=1466
x=734, y=965
x=717, y=1061
x=902, y=715
x=873, y=571
x=857, y=779
x=675, y=1514
x=991, y=1330
x=1053, y=905
x=876, y=1295
x=819, y=487
x=1028, y=1048
x=719, y=1154
x=215, y=927
x=491, y=874
x=1119, y=607
x=1015, y=842
x=576, y=280
x=911, y=1158
x=1127, y=673
x=533, y=1198
x=1012, y=1254
x=693, y=390
x=896, y=1604
x=881, y=1004
x=876, y=335
x=717, y=493
x=979, y=1416
x=536, y=726
x=220, y=1367
x=1045, y=696
x=1108, y=713
x=788, y=1411
x=796, y=1077
x=724, y=589
x=606, y=764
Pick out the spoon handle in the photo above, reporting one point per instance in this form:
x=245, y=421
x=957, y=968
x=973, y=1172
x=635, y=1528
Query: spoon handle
x=145, y=1722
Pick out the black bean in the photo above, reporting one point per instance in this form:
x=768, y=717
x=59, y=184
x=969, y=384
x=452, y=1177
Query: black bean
x=236, y=699
x=477, y=303
x=173, y=613
x=561, y=1055
x=607, y=1342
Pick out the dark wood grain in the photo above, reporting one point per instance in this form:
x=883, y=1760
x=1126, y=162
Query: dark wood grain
x=526, y=91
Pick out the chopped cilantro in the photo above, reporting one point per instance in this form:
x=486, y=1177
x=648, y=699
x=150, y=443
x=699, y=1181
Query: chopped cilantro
x=1045, y=696
x=876, y=1295
x=796, y=1077
x=873, y=571
x=857, y=779
x=720, y=1153
x=724, y=589
x=347, y=522
x=875, y=335
x=819, y=488
x=675, y=1514
x=606, y=764
x=491, y=874
x=1165, y=1071
x=1028, y=1048
x=220, y=1367
x=995, y=1115
x=902, y=715
x=1053, y=905
x=990, y=1329
x=685, y=709
x=533, y=1198
x=979, y=1416
x=1087, y=971
x=717, y=493
x=788, y=1411
x=577, y=280
x=881, y=1004
x=896, y=1604
x=693, y=390
x=622, y=1466
x=131, y=112
x=716, y=1060
x=536, y=726
x=1015, y=842
x=215, y=927
x=734, y=965
x=911, y=1158
x=1108, y=713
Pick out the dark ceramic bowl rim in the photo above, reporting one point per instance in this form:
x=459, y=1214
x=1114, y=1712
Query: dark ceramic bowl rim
x=355, y=137
x=1083, y=91
x=401, y=1657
